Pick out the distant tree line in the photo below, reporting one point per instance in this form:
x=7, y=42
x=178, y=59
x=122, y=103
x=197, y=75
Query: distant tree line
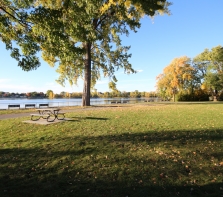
x=22, y=95
x=197, y=79
x=94, y=94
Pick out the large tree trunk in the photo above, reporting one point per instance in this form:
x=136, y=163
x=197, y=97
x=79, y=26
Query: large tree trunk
x=87, y=77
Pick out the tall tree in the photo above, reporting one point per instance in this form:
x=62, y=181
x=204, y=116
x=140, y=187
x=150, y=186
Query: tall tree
x=210, y=63
x=81, y=37
x=175, y=77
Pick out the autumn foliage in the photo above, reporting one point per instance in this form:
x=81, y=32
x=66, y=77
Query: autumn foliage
x=197, y=79
x=175, y=77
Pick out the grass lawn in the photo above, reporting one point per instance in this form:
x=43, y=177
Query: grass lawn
x=131, y=150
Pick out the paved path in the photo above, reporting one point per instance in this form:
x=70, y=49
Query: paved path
x=8, y=116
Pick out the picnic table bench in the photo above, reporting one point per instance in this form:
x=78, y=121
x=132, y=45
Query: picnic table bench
x=14, y=106
x=36, y=117
x=50, y=114
x=30, y=105
x=149, y=100
x=43, y=105
x=115, y=102
x=112, y=102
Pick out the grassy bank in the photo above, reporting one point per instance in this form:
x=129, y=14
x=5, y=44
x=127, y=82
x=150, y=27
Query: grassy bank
x=144, y=150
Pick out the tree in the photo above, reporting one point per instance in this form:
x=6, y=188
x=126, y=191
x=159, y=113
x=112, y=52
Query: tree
x=67, y=95
x=210, y=63
x=33, y=94
x=50, y=94
x=63, y=94
x=135, y=94
x=175, y=77
x=80, y=37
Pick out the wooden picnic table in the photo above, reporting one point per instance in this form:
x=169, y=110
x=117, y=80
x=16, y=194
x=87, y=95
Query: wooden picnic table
x=50, y=114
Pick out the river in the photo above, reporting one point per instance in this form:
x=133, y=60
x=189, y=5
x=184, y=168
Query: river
x=60, y=102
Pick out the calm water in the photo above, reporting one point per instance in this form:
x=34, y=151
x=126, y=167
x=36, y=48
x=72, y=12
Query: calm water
x=59, y=102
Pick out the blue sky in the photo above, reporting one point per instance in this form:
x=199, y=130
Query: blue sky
x=193, y=26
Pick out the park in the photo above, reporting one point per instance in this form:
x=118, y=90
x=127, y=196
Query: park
x=167, y=143
x=155, y=149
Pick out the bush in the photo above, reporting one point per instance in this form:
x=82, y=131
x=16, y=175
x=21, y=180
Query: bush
x=199, y=95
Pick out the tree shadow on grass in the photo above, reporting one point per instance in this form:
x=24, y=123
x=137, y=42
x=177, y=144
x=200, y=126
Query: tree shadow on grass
x=127, y=164
x=114, y=105
x=89, y=118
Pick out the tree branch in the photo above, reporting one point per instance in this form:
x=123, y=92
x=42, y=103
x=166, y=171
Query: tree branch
x=100, y=21
x=17, y=19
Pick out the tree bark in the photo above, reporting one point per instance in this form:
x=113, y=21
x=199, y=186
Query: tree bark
x=87, y=77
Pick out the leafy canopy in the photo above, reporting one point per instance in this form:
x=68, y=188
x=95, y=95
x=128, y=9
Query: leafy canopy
x=64, y=29
x=211, y=63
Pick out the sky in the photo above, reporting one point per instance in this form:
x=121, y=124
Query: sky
x=192, y=26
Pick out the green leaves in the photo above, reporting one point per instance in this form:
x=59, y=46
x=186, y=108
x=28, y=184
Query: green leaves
x=210, y=63
x=83, y=36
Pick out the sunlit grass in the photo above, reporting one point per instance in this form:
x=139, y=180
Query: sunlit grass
x=141, y=150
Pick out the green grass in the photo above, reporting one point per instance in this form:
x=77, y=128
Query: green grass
x=141, y=150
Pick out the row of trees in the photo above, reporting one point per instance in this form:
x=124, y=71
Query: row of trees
x=196, y=79
x=95, y=94
x=22, y=95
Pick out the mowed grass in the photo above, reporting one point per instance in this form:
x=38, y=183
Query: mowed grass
x=141, y=150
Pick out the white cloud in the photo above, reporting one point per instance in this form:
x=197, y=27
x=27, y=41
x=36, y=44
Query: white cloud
x=139, y=71
x=136, y=80
x=134, y=86
x=16, y=88
x=10, y=85
x=102, y=82
x=57, y=88
x=4, y=80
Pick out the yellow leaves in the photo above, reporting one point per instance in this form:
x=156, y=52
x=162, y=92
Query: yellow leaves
x=127, y=4
x=204, y=86
x=51, y=95
x=49, y=58
x=49, y=3
x=176, y=74
x=113, y=31
x=106, y=6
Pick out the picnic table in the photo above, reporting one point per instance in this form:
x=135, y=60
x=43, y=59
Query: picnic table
x=50, y=114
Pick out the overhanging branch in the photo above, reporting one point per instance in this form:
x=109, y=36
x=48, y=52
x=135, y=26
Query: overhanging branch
x=24, y=24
